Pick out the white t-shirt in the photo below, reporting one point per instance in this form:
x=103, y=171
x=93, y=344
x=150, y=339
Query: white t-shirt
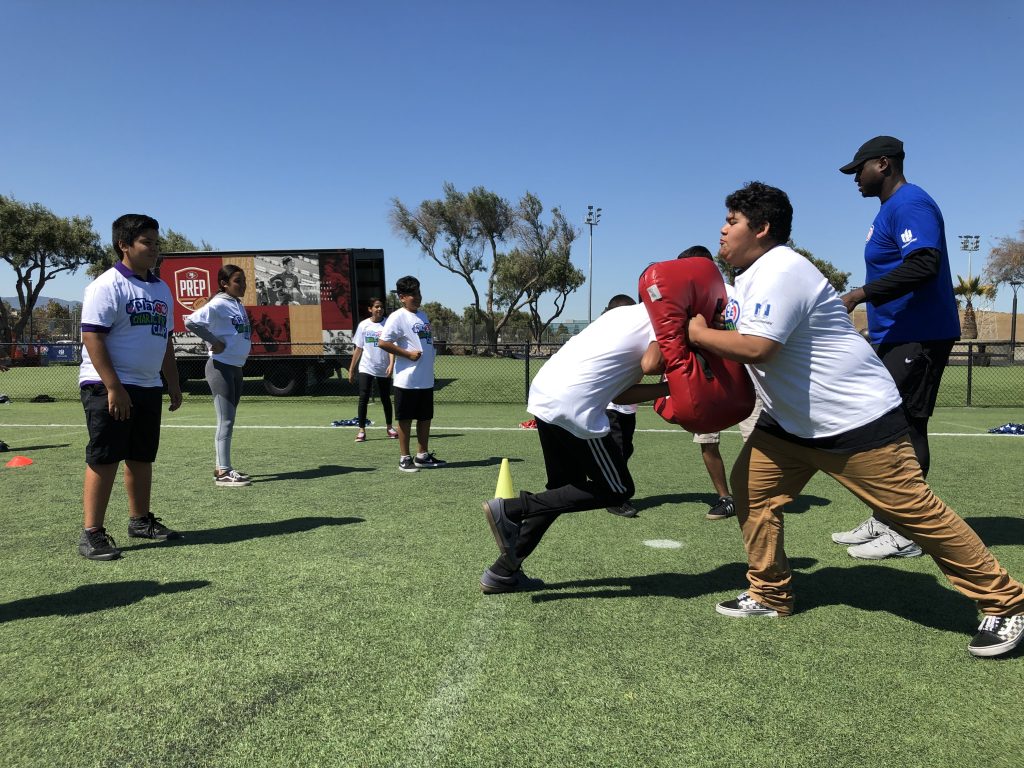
x=135, y=317
x=573, y=388
x=826, y=379
x=411, y=331
x=373, y=360
x=225, y=317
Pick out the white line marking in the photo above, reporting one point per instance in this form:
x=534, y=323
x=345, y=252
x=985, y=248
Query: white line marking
x=663, y=544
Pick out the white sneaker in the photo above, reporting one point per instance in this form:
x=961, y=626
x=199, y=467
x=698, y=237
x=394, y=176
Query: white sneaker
x=232, y=479
x=869, y=530
x=889, y=544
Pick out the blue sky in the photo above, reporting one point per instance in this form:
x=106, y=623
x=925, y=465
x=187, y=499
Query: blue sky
x=292, y=125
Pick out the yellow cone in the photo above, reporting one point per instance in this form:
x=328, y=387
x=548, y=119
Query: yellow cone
x=503, y=490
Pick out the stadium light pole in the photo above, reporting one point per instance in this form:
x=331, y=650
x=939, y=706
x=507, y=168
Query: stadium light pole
x=969, y=244
x=593, y=218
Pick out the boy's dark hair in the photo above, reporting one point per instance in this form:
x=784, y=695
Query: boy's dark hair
x=407, y=285
x=696, y=252
x=225, y=273
x=621, y=300
x=373, y=300
x=762, y=204
x=128, y=227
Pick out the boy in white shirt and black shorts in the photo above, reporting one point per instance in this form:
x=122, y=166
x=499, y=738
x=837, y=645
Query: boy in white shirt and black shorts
x=127, y=323
x=408, y=337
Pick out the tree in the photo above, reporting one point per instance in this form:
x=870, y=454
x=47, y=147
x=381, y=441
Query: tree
x=839, y=279
x=170, y=242
x=39, y=245
x=441, y=318
x=968, y=289
x=1006, y=261
x=461, y=233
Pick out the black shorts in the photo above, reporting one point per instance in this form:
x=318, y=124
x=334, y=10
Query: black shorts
x=136, y=439
x=916, y=367
x=414, y=404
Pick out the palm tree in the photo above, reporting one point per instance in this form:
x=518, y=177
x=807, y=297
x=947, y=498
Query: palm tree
x=968, y=289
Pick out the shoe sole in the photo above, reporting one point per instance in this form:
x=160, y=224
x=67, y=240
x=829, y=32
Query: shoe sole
x=496, y=533
x=233, y=485
x=988, y=651
x=409, y=469
x=629, y=515
x=909, y=553
x=709, y=516
x=740, y=614
x=103, y=558
x=850, y=542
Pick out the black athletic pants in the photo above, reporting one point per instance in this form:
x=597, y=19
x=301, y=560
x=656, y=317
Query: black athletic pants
x=916, y=367
x=582, y=475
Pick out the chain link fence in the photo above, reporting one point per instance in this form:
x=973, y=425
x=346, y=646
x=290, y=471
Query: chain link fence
x=979, y=374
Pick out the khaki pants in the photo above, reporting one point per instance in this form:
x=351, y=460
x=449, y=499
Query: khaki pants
x=769, y=473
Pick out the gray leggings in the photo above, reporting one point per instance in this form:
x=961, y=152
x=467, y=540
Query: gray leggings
x=226, y=384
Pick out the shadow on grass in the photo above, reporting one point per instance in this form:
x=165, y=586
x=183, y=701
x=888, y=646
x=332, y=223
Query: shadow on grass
x=998, y=530
x=493, y=461
x=324, y=470
x=917, y=597
x=233, y=534
x=731, y=576
x=800, y=504
x=90, y=598
x=26, y=448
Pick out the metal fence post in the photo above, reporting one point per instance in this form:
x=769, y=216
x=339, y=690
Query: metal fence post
x=526, y=368
x=970, y=370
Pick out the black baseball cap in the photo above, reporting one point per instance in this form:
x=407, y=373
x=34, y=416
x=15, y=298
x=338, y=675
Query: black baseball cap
x=880, y=146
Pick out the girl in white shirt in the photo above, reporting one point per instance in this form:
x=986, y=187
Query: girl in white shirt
x=224, y=325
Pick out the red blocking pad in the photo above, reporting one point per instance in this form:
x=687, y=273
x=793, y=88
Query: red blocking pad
x=706, y=393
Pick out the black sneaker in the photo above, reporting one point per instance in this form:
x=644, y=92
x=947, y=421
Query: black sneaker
x=744, y=607
x=98, y=545
x=149, y=527
x=505, y=531
x=493, y=584
x=723, y=508
x=624, y=510
x=406, y=464
x=997, y=635
x=4, y=448
x=428, y=461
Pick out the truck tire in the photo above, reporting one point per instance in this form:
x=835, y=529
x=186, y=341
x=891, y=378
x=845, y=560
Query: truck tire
x=284, y=380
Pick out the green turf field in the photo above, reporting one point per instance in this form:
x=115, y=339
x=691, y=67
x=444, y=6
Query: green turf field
x=330, y=614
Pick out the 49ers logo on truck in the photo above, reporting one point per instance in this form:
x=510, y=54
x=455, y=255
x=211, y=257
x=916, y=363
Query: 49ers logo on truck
x=192, y=287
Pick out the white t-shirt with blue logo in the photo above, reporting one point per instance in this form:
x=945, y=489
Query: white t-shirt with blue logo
x=411, y=331
x=225, y=317
x=374, y=360
x=826, y=379
x=135, y=316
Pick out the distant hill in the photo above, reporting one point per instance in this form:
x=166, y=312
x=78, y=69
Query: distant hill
x=43, y=301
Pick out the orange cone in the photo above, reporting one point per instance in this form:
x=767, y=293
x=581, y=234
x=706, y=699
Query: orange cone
x=19, y=461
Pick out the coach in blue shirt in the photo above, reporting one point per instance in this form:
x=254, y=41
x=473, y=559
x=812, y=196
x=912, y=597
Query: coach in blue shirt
x=912, y=314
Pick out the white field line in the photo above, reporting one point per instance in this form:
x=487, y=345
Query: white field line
x=434, y=428
x=434, y=727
